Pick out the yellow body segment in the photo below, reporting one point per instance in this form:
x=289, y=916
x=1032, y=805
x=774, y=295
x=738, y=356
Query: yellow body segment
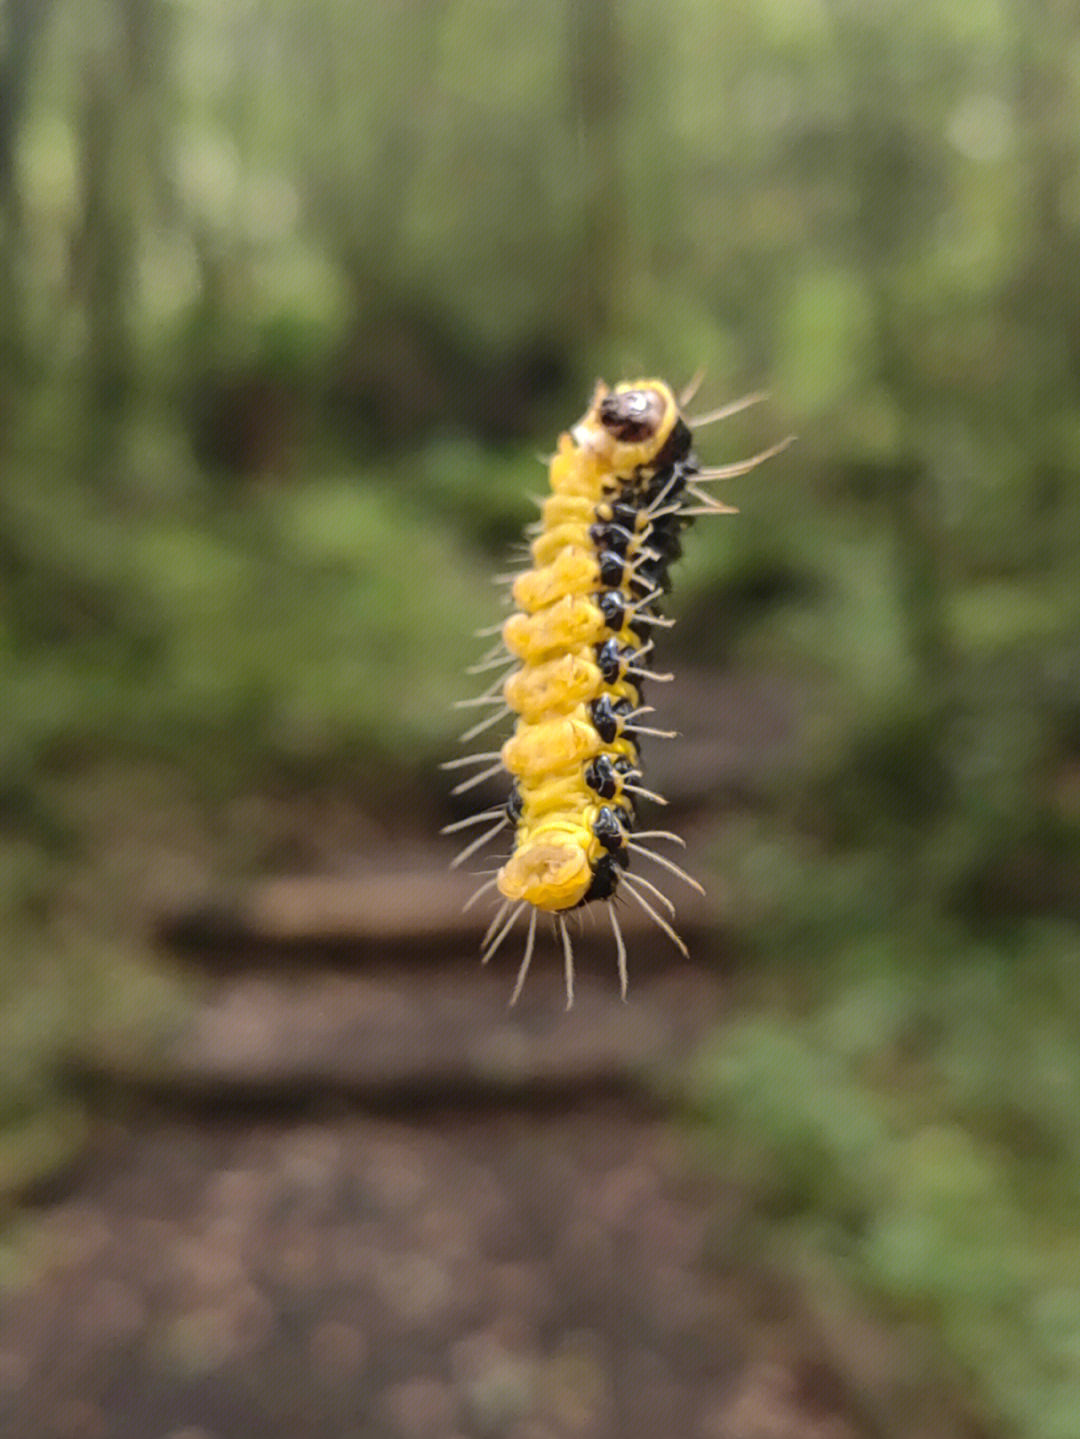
x=551, y=747
x=573, y=571
x=551, y=686
x=568, y=625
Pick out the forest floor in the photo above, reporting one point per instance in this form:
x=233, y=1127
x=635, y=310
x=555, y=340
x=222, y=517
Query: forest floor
x=371, y=1201
x=354, y=1196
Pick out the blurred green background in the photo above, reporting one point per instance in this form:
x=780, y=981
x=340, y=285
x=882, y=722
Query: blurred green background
x=292, y=292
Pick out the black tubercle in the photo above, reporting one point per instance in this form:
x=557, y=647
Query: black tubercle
x=605, y=878
x=609, y=718
x=611, y=538
x=612, y=604
x=613, y=660
x=650, y=575
x=601, y=778
x=604, y=773
x=625, y=514
x=608, y=830
x=514, y=804
x=612, y=569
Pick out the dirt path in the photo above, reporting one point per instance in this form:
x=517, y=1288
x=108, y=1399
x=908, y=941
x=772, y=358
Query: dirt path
x=352, y=1206
x=358, y=1198
x=471, y=1274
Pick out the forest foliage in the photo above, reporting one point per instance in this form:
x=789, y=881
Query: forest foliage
x=292, y=291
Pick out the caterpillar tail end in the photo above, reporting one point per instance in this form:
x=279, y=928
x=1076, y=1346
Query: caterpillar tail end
x=547, y=875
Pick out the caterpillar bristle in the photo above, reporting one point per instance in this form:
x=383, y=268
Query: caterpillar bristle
x=655, y=675
x=712, y=509
x=476, y=844
x=485, y=666
x=639, y=879
x=483, y=725
x=473, y=819
x=463, y=761
x=725, y=412
x=656, y=733
x=477, y=894
x=496, y=943
x=743, y=467
x=640, y=899
x=523, y=970
x=620, y=953
x=571, y=661
x=644, y=793
x=568, y=962
x=690, y=389
x=478, y=700
x=476, y=779
x=496, y=920
x=668, y=864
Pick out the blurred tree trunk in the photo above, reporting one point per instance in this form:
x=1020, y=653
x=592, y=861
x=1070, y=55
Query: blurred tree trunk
x=105, y=252
x=122, y=170
x=888, y=178
x=595, y=69
x=1046, y=290
x=23, y=25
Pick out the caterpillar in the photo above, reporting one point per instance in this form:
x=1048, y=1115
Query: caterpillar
x=625, y=483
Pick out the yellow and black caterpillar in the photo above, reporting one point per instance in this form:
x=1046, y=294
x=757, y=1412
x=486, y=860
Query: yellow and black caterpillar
x=625, y=483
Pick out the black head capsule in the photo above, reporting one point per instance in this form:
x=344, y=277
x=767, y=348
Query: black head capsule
x=608, y=830
x=633, y=415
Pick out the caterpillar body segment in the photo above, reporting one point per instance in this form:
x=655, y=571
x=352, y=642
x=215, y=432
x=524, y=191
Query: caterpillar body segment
x=581, y=634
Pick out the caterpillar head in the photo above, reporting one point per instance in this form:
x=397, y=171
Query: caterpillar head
x=632, y=426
